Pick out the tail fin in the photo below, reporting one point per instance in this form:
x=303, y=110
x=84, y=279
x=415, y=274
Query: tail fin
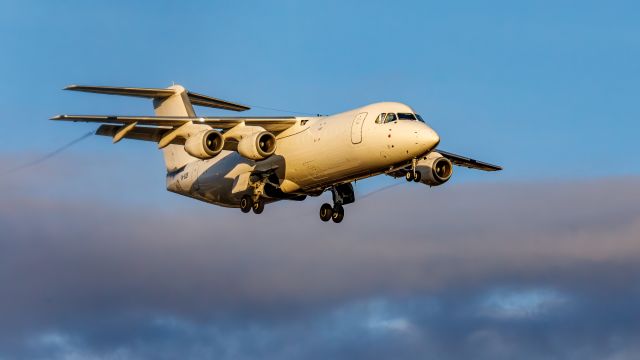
x=177, y=104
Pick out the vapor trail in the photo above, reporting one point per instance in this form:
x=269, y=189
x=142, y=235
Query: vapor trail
x=380, y=190
x=50, y=155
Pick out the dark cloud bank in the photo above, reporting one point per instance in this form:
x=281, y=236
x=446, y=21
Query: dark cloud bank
x=527, y=271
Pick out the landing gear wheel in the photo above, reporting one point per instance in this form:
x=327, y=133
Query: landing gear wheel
x=417, y=177
x=326, y=212
x=409, y=176
x=258, y=206
x=338, y=213
x=246, y=204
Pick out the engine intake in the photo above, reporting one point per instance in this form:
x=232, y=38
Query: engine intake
x=434, y=169
x=257, y=146
x=205, y=144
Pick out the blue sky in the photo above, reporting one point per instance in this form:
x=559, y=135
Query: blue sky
x=539, y=261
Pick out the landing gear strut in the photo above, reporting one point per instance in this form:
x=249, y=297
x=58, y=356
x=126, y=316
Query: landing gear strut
x=255, y=200
x=342, y=194
x=412, y=174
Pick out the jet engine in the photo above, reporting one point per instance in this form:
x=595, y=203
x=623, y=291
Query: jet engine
x=205, y=144
x=257, y=146
x=434, y=169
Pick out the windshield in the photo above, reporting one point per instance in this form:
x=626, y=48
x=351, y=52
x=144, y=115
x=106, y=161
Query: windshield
x=389, y=117
x=406, y=116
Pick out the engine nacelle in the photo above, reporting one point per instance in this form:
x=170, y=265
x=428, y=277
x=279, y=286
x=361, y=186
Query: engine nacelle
x=205, y=144
x=434, y=169
x=257, y=146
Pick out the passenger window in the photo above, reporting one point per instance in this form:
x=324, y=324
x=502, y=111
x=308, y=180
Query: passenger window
x=380, y=118
x=391, y=117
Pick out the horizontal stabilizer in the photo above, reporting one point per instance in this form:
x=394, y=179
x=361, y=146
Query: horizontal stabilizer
x=155, y=93
x=125, y=91
x=203, y=100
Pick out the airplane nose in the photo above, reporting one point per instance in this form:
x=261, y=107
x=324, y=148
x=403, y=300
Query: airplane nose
x=429, y=138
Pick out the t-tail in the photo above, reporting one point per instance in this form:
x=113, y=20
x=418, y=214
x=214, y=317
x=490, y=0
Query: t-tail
x=172, y=101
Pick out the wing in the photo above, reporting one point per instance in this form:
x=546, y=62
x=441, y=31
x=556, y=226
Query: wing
x=272, y=124
x=402, y=169
x=468, y=162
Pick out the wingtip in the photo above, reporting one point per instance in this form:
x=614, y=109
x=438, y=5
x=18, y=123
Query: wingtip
x=70, y=87
x=57, y=117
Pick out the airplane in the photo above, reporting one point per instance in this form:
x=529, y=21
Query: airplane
x=247, y=162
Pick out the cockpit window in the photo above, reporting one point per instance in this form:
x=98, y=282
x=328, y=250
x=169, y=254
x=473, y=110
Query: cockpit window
x=390, y=117
x=406, y=116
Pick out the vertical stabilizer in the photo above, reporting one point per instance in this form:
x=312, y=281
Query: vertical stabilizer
x=177, y=104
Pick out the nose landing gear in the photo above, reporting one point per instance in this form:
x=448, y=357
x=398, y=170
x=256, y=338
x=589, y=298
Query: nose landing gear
x=342, y=194
x=412, y=174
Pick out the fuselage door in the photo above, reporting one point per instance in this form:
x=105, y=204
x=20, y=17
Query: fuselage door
x=356, y=128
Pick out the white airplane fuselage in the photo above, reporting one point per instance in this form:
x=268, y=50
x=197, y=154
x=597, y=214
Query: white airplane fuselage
x=312, y=155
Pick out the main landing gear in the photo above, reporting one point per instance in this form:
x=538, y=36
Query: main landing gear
x=335, y=212
x=247, y=204
x=342, y=195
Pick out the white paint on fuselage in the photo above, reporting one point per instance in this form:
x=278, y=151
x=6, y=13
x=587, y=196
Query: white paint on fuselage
x=315, y=153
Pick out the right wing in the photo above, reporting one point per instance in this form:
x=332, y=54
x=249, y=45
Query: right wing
x=468, y=162
x=164, y=129
x=170, y=129
x=272, y=124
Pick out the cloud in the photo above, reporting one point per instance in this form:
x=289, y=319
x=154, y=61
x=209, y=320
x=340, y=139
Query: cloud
x=521, y=270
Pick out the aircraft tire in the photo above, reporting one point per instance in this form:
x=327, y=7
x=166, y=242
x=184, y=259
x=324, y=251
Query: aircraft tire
x=326, y=212
x=338, y=213
x=246, y=204
x=417, y=177
x=409, y=176
x=258, y=206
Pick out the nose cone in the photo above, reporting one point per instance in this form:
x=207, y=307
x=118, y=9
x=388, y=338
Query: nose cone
x=429, y=138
